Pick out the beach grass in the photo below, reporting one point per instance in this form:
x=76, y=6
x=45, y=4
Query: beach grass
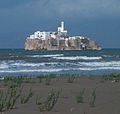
x=93, y=98
x=26, y=98
x=48, y=94
x=49, y=102
x=113, y=76
x=80, y=97
x=71, y=79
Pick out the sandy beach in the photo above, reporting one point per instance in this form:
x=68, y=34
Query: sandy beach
x=107, y=96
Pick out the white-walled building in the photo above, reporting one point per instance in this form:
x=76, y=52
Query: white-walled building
x=47, y=35
x=77, y=37
x=40, y=35
x=61, y=29
x=53, y=36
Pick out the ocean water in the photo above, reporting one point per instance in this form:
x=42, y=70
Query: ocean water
x=88, y=63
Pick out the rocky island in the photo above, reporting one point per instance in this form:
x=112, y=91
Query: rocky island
x=59, y=40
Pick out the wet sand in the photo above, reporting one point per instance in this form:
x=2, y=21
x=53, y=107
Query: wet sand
x=107, y=96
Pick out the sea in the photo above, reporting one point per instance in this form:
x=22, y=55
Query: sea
x=18, y=62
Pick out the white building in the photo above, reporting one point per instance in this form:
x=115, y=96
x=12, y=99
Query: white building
x=46, y=35
x=31, y=36
x=53, y=36
x=61, y=29
x=40, y=35
x=37, y=34
x=77, y=37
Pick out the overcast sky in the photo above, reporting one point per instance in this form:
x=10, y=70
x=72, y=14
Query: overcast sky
x=97, y=19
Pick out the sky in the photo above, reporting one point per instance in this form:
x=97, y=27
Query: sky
x=97, y=19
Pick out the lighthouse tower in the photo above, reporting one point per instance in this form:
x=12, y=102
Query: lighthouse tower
x=61, y=29
x=62, y=26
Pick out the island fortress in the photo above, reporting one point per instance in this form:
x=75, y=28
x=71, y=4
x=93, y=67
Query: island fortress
x=59, y=41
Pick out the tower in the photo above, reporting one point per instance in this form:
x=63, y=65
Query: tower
x=62, y=26
x=61, y=29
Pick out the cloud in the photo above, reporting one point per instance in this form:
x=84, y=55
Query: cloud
x=65, y=8
x=6, y=4
x=80, y=8
x=96, y=18
x=31, y=13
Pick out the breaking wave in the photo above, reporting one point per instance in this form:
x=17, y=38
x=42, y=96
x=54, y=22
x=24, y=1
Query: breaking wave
x=57, y=67
x=78, y=58
x=101, y=64
x=55, y=55
x=30, y=70
x=34, y=64
x=3, y=66
x=99, y=68
x=53, y=70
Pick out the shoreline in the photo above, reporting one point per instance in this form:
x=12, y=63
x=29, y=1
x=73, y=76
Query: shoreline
x=84, y=62
x=72, y=95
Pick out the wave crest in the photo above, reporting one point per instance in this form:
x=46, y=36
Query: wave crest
x=37, y=56
x=78, y=58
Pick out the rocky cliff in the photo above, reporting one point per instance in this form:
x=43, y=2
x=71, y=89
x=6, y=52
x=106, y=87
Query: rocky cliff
x=61, y=44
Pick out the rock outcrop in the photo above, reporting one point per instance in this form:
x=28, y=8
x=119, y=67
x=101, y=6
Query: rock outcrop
x=61, y=44
x=59, y=41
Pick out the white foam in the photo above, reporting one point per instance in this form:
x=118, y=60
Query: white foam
x=101, y=64
x=55, y=55
x=90, y=58
x=78, y=58
x=58, y=70
x=33, y=64
x=3, y=65
x=27, y=67
x=99, y=68
x=30, y=70
x=28, y=64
